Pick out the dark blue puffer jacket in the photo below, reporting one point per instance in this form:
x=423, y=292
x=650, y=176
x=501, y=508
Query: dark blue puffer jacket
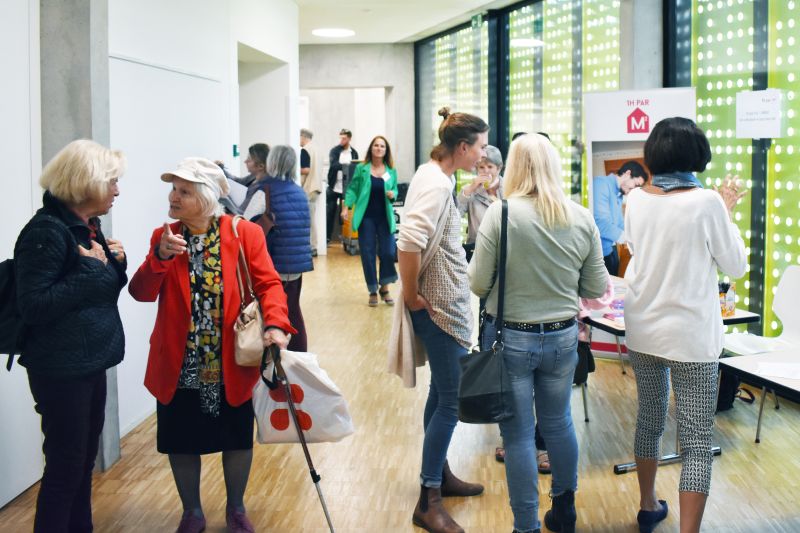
x=289, y=242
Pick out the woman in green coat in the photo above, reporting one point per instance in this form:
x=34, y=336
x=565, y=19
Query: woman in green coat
x=369, y=198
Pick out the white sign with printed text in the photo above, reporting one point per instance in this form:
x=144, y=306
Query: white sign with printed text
x=631, y=115
x=759, y=114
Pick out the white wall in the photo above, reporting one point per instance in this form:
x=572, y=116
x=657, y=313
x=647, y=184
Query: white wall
x=325, y=69
x=174, y=93
x=20, y=149
x=370, y=117
x=271, y=28
x=264, y=105
x=330, y=110
x=167, y=94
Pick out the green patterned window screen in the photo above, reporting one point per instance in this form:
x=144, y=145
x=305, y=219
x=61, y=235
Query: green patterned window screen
x=783, y=165
x=557, y=50
x=560, y=88
x=452, y=71
x=601, y=55
x=726, y=43
x=526, y=46
x=722, y=65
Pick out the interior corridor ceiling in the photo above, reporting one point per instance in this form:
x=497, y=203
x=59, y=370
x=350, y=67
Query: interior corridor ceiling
x=387, y=21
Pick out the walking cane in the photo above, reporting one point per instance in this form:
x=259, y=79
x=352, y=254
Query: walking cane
x=275, y=353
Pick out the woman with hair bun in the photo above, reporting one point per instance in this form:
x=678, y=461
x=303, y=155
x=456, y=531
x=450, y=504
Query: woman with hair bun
x=433, y=270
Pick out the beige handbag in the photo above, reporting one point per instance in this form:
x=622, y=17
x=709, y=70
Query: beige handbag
x=249, y=326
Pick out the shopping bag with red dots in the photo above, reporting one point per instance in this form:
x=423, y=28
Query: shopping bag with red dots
x=321, y=409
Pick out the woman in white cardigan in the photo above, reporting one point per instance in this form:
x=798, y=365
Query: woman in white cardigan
x=680, y=235
x=433, y=270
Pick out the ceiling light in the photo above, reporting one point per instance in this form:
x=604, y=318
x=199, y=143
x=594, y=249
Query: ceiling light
x=333, y=32
x=526, y=43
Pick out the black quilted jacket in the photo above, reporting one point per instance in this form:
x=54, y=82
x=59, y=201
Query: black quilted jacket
x=68, y=302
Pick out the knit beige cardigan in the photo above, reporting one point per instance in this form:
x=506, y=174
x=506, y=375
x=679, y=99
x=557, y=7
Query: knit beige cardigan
x=406, y=350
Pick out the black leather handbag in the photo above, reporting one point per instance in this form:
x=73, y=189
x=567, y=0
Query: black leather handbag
x=484, y=395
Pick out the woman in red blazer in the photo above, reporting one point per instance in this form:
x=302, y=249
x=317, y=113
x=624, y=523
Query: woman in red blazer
x=205, y=398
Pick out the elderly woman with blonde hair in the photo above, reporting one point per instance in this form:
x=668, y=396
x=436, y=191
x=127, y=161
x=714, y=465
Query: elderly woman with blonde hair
x=554, y=258
x=68, y=279
x=204, y=399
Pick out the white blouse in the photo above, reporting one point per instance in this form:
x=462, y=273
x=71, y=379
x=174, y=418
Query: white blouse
x=678, y=241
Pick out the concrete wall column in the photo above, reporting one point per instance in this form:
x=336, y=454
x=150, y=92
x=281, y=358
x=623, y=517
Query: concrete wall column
x=641, y=44
x=75, y=105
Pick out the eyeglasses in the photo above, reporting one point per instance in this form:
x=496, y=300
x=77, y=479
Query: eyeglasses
x=344, y=131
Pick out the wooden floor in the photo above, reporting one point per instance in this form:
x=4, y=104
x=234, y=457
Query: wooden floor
x=370, y=480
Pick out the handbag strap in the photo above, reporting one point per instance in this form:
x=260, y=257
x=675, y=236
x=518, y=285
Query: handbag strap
x=433, y=244
x=242, y=267
x=270, y=352
x=501, y=275
x=267, y=199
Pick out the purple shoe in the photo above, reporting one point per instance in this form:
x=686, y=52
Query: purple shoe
x=237, y=521
x=191, y=523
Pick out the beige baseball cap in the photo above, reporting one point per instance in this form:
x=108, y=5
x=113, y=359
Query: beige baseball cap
x=201, y=170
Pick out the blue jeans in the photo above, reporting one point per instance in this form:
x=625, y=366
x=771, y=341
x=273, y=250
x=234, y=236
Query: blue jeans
x=374, y=240
x=541, y=367
x=441, y=409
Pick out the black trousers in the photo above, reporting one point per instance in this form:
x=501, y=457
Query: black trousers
x=73, y=412
x=612, y=262
x=299, y=342
x=333, y=210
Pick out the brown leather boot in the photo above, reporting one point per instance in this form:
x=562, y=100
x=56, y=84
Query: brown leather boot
x=452, y=486
x=430, y=514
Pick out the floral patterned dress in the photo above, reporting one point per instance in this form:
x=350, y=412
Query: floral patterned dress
x=202, y=362
x=199, y=420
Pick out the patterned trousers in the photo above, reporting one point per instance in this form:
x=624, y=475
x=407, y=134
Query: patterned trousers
x=695, y=387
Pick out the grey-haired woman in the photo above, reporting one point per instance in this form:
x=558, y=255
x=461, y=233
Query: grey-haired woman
x=476, y=197
x=289, y=241
x=204, y=399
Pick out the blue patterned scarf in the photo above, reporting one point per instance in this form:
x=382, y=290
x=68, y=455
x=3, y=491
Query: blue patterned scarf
x=676, y=180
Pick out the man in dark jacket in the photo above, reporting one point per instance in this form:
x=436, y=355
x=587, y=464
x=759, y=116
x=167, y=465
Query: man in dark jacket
x=340, y=158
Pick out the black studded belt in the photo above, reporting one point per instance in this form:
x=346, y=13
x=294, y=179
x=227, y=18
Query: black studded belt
x=545, y=327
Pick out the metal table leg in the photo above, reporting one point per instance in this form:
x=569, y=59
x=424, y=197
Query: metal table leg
x=624, y=468
x=760, y=413
x=585, y=403
x=619, y=354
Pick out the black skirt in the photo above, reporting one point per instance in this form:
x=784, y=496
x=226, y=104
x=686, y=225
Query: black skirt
x=184, y=428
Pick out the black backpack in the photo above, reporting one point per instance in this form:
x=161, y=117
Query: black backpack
x=10, y=320
x=12, y=330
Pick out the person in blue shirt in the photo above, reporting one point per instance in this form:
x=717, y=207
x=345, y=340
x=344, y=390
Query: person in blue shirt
x=607, y=208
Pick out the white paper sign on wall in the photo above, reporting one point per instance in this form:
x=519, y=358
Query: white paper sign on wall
x=759, y=114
